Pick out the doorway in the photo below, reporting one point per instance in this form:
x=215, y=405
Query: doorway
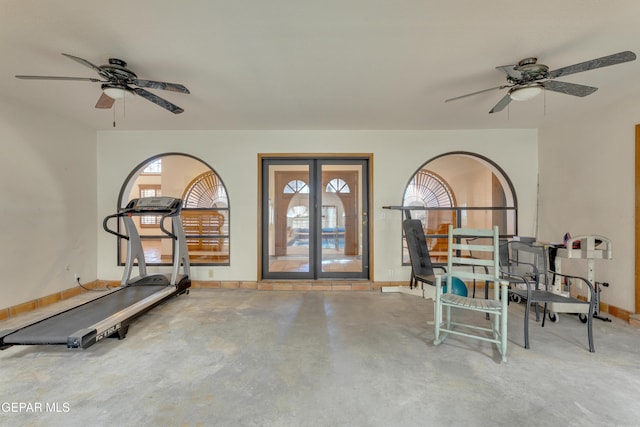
x=314, y=214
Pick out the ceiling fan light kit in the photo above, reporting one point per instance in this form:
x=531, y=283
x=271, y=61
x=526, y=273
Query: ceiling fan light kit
x=116, y=92
x=527, y=79
x=525, y=93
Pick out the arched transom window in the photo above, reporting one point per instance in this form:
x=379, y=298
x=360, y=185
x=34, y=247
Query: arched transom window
x=296, y=186
x=427, y=189
x=205, y=211
x=338, y=185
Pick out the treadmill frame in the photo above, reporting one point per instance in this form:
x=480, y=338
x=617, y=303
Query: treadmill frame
x=117, y=324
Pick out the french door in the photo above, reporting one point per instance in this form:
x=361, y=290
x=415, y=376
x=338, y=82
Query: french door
x=315, y=218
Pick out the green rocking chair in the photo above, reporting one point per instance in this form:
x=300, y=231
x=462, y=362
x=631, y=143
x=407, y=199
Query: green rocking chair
x=463, y=266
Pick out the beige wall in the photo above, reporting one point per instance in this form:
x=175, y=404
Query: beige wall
x=234, y=155
x=52, y=213
x=48, y=204
x=587, y=187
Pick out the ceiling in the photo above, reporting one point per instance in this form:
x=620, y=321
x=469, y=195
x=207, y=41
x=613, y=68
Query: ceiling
x=330, y=64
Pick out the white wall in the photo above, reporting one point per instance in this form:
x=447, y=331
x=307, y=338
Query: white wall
x=48, y=204
x=234, y=156
x=587, y=187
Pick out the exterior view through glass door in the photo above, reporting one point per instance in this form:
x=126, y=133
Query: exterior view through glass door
x=315, y=218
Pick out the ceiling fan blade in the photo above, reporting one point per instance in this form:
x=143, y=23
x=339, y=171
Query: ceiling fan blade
x=174, y=87
x=501, y=104
x=474, y=93
x=158, y=101
x=82, y=79
x=84, y=62
x=511, y=71
x=569, y=88
x=605, y=61
x=105, y=101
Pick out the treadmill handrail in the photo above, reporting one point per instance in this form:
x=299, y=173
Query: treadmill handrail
x=164, y=230
x=130, y=210
x=105, y=225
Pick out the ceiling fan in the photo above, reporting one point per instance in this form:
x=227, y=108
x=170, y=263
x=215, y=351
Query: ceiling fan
x=527, y=79
x=118, y=82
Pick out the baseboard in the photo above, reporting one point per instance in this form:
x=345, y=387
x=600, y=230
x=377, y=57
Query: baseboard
x=28, y=306
x=290, y=285
x=634, y=320
x=263, y=285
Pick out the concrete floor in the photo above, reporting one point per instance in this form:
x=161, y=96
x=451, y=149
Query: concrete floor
x=243, y=358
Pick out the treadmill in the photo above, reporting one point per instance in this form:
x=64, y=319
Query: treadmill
x=111, y=314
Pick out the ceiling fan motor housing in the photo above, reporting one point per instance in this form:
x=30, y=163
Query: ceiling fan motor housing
x=117, y=71
x=530, y=71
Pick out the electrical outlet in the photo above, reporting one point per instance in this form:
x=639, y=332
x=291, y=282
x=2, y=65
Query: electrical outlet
x=76, y=277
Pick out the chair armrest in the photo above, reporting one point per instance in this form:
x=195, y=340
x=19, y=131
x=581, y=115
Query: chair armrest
x=514, y=278
x=517, y=279
x=592, y=294
x=534, y=269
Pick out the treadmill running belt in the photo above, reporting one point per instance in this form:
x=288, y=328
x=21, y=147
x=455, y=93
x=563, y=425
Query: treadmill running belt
x=56, y=329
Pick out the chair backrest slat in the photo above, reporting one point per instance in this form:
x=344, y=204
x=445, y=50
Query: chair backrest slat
x=469, y=261
x=472, y=261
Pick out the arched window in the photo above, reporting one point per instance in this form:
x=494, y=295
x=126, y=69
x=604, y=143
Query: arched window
x=205, y=191
x=296, y=186
x=462, y=189
x=205, y=218
x=427, y=189
x=338, y=185
x=205, y=212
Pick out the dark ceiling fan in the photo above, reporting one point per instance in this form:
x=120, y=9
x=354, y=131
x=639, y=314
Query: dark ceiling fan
x=527, y=78
x=118, y=82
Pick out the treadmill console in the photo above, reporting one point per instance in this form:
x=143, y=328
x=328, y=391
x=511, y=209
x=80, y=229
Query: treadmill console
x=163, y=207
x=153, y=205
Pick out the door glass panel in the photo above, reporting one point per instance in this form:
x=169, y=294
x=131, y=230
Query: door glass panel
x=314, y=219
x=342, y=218
x=289, y=227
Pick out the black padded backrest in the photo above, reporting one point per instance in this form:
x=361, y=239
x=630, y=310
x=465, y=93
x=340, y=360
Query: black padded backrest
x=417, y=245
x=504, y=254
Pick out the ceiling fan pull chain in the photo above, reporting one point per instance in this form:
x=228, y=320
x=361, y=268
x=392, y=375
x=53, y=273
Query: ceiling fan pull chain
x=114, y=116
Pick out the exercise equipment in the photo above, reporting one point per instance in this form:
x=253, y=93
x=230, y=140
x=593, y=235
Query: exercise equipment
x=589, y=248
x=457, y=287
x=111, y=314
